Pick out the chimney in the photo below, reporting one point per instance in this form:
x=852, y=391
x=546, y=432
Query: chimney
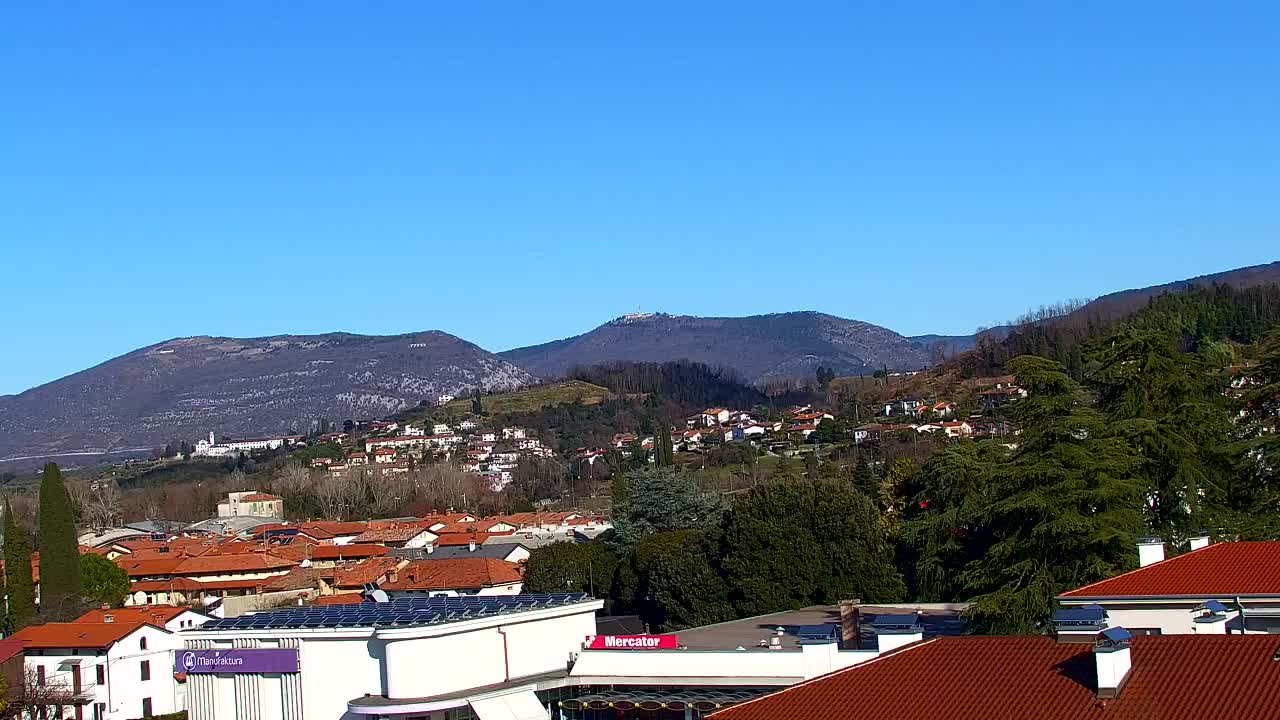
x=850, y=620
x=894, y=631
x=108, y=618
x=1150, y=551
x=471, y=546
x=1113, y=661
x=1210, y=619
x=393, y=576
x=1200, y=540
x=431, y=548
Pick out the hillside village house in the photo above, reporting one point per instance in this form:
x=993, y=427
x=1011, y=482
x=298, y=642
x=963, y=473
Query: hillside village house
x=253, y=504
x=209, y=448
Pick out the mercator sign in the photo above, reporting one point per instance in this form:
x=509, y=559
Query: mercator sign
x=632, y=642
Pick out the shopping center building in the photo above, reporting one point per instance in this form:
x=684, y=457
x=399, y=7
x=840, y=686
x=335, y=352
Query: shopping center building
x=516, y=657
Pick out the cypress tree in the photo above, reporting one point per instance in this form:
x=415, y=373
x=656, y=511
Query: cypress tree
x=60, y=582
x=17, y=570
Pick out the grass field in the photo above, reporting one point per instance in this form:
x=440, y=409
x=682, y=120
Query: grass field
x=535, y=398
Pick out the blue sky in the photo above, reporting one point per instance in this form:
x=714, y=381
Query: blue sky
x=518, y=172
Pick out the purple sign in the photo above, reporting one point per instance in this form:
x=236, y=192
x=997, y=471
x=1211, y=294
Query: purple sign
x=236, y=660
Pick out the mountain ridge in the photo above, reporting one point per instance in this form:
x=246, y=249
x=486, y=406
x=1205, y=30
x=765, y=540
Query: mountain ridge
x=186, y=386
x=783, y=345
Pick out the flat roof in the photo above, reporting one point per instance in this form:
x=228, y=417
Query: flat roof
x=401, y=612
x=748, y=632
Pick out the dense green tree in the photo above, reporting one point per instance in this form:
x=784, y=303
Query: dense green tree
x=17, y=570
x=664, y=453
x=570, y=567
x=1255, y=490
x=864, y=479
x=477, y=408
x=806, y=542
x=684, y=587
x=60, y=582
x=1170, y=407
x=104, y=581
x=661, y=499
x=1064, y=507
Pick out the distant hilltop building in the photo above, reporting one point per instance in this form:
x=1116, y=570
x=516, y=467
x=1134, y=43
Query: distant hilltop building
x=210, y=448
x=252, y=503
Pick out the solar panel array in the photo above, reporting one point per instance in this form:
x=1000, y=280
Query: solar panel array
x=401, y=612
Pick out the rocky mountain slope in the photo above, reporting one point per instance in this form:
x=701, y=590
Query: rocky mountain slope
x=758, y=347
x=186, y=387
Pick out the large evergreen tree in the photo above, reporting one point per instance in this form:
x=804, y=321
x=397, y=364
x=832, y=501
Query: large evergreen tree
x=661, y=499
x=1255, y=494
x=806, y=542
x=1065, y=506
x=60, y=581
x=17, y=570
x=1170, y=407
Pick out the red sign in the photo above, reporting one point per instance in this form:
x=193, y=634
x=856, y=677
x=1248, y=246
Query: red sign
x=632, y=642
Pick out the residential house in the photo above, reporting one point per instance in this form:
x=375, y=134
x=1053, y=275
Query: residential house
x=384, y=455
x=513, y=433
x=170, y=617
x=412, y=536
x=105, y=670
x=458, y=576
x=359, y=457
x=1226, y=587
x=253, y=504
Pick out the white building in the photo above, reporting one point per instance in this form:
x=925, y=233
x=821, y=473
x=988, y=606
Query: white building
x=509, y=658
x=1227, y=587
x=209, y=448
x=252, y=503
x=110, y=670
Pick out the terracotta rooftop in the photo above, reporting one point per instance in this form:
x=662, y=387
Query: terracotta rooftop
x=155, y=614
x=464, y=538
x=365, y=571
x=75, y=634
x=342, y=599
x=454, y=573
x=209, y=564
x=1174, y=677
x=1221, y=570
x=259, y=497
x=404, y=534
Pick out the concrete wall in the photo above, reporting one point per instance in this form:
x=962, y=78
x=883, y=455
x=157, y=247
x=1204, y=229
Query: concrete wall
x=336, y=671
x=234, y=605
x=124, y=689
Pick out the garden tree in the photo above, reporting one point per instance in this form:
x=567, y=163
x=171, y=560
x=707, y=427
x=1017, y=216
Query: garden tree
x=893, y=492
x=684, y=587
x=662, y=499
x=1171, y=409
x=1064, y=510
x=824, y=376
x=864, y=480
x=571, y=567
x=104, y=581
x=664, y=454
x=17, y=571
x=60, y=583
x=944, y=530
x=477, y=407
x=1255, y=490
x=806, y=542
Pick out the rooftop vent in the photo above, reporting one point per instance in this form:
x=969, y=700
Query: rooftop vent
x=1079, y=624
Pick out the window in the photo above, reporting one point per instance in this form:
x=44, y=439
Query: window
x=102, y=674
x=142, y=643
x=99, y=711
x=146, y=669
x=146, y=707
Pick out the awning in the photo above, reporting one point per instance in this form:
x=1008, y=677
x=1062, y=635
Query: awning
x=522, y=705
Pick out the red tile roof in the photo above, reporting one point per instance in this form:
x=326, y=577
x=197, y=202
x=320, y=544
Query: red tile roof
x=75, y=634
x=457, y=573
x=390, y=535
x=340, y=599
x=1174, y=677
x=365, y=571
x=220, y=564
x=9, y=648
x=331, y=552
x=1220, y=570
x=154, y=614
x=259, y=497
x=464, y=538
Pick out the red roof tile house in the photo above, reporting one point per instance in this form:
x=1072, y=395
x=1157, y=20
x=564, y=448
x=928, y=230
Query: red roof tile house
x=1184, y=677
x=1167, y=596
x=104, y=670
x=461, y=576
